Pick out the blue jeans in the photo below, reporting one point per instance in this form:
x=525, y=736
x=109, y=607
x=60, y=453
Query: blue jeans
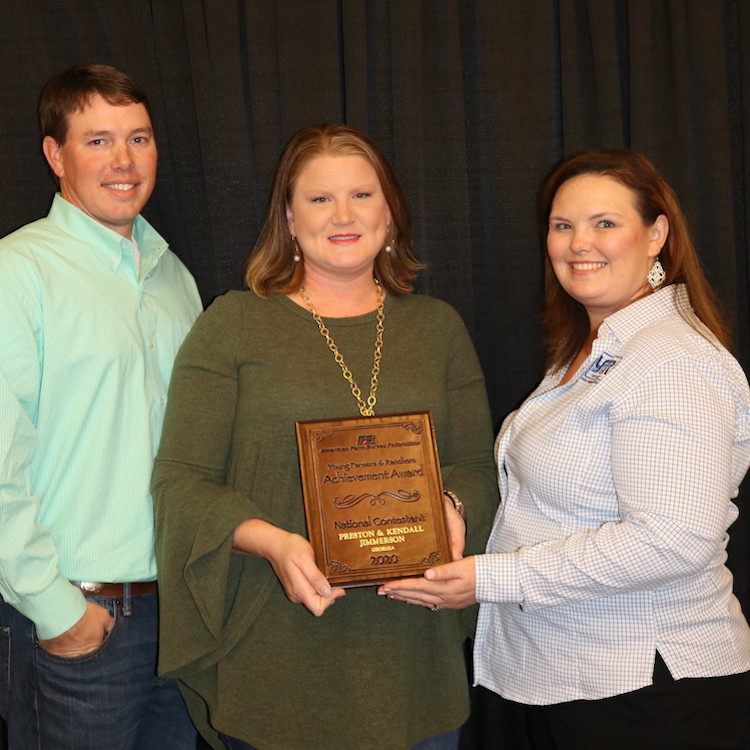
x=109, y=699
x=440, y=742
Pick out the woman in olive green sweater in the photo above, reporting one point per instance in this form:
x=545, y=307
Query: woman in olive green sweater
x=238, y=582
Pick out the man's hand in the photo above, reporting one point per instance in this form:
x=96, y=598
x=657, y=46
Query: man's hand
x=84, y=637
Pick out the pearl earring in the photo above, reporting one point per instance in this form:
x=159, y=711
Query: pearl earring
x=388, y=245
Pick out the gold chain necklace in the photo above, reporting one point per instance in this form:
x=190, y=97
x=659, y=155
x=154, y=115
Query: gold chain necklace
x=365, y=408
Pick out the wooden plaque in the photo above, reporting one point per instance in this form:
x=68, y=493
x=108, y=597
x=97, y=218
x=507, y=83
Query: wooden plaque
x=373, y=497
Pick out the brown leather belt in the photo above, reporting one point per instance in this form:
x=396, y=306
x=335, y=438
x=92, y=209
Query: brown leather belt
x=116, y=590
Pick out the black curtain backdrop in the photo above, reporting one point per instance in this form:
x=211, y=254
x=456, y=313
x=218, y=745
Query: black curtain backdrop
x=473, y=101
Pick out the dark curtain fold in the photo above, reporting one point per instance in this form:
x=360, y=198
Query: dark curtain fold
x=473, y=101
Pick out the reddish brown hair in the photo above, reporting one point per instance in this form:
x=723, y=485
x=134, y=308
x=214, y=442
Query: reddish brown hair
x=565, y=319
x=271, y=267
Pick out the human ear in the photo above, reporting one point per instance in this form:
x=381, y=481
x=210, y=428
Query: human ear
x=290, y=219
x=659, y=232
x=52, y=153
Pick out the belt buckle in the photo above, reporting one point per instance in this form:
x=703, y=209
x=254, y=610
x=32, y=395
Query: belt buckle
x=92, y=588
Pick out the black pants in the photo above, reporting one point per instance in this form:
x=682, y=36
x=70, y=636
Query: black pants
x=692, y=714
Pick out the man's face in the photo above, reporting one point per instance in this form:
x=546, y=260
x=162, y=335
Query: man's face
x=107, y=165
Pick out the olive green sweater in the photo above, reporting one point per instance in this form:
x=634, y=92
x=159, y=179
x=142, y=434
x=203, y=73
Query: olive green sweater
x=371, y=672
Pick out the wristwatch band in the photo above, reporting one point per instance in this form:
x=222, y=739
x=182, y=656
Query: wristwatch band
x=457, y=502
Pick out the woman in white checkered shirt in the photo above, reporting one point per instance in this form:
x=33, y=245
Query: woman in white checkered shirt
x=606, y=606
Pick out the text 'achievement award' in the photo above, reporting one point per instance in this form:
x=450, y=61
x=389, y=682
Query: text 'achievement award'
x=373, y=497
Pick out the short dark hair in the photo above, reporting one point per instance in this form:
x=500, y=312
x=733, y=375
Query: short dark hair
x=271, y=267
x=72, y=90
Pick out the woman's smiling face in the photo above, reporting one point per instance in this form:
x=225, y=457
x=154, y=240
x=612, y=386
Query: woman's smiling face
x=339, y=215
x=598, y=245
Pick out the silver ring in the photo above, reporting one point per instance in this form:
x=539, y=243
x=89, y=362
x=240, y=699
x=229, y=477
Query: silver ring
x=435, y=608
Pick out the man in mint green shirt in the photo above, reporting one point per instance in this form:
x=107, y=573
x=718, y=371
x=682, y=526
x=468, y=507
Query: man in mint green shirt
x=93, y=308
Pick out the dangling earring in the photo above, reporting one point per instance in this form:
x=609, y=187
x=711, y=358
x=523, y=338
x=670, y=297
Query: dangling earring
x=656, y=275
x=297, y=257
x=388, y=246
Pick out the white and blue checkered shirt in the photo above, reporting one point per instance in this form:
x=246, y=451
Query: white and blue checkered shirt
x=611, y=539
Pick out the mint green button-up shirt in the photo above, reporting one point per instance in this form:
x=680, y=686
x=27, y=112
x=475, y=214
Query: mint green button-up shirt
x=87, y=342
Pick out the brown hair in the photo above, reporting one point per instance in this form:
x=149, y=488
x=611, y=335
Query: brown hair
x=72, y=90
x=271, y=267
x=565, y=319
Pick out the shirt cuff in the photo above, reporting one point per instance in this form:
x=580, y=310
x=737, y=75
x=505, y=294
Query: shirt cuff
x=497, y=578
x=54, y=610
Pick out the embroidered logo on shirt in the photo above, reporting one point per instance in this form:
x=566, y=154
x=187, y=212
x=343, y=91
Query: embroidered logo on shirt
x=600, y=367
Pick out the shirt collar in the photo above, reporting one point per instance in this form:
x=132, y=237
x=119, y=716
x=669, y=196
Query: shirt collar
x=76, y=223
x=626, y=322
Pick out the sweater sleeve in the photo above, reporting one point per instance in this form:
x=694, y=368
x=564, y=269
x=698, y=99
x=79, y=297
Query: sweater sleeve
x=197, y=507
x=466, y=448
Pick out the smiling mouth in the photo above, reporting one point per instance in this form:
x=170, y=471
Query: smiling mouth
x=587, y=266
x=120, y=185
x=344, y=237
